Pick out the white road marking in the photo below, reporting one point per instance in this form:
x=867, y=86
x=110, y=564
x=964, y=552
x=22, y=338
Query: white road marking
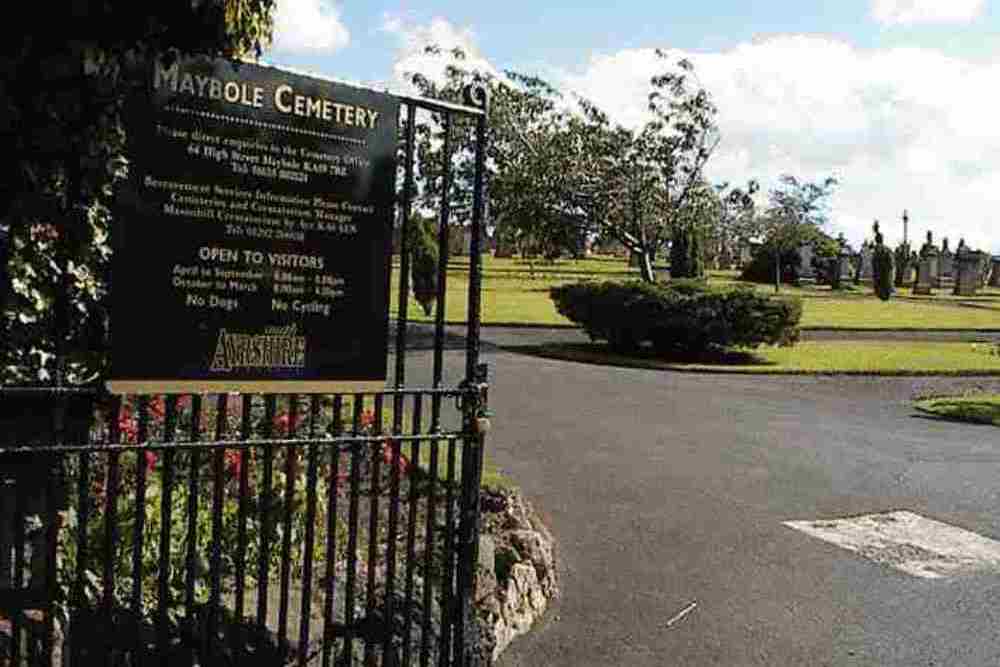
x=909, y=542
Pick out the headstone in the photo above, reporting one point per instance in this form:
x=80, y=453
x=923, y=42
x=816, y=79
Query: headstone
x=745, y=255
x=947, y=259
x=924, y=275
x=467, y=241
x=967, y=281
x=994, y=280
x=456, y=241
x=865, y=259
x=845, y=266
x=806, y=273
x=634, y=260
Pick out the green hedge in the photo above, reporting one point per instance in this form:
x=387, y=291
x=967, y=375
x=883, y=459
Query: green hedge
x=681, y=317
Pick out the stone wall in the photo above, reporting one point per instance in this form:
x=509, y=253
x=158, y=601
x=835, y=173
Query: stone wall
x=517, y=570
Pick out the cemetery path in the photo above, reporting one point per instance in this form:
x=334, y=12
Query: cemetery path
x=670, y=489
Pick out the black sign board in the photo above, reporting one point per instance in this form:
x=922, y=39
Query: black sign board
x=252, y=238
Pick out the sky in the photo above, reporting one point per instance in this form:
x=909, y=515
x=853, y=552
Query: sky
x=897, y=99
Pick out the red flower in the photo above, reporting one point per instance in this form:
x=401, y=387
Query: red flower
x=234, y=462
x=387, y=455
x=367, y=418
x=128, y=427
x=158, y=407
x=151, y=459
x=283, y=422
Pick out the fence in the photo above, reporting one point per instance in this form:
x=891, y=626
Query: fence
x=215, y=529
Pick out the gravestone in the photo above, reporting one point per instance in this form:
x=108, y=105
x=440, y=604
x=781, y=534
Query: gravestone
x=865, y=260
x=994, y=279
x=634, y=260
x=967, y=281
x=930, y=251
x=947, y=259
x=846, y=267
x=467, y=241
x=456, y=241
x=925, y=272
x=806, y=272
x=745, y=255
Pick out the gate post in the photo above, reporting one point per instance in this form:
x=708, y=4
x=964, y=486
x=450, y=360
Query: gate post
x=475, y=425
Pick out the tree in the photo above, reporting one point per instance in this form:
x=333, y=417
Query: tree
x=62, y=89
x=423, y=247
x=642, y=186
x=796, y=212
x=528, y=155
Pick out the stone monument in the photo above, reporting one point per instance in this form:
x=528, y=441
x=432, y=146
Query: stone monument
x=865, y=261
x=930, y=252
x=947, y=259
x=968, y=262
x=924, y=280
x=806, y=274
x=994, y=280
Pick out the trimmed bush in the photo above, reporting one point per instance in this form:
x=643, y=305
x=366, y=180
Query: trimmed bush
x=424, y=262
x=882, y=265
x=678, y=318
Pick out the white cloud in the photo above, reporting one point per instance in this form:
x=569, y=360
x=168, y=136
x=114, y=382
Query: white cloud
x=309, y=26
x=908, y=12
x=414, y=37
x=900, y=128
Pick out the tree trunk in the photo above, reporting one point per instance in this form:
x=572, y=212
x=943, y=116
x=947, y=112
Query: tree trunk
x=777, y=270
x=646, y=267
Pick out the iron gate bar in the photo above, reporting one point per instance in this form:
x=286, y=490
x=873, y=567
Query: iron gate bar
x=241, y=529
x=286, y=538
x=352, y=534
x=411, y=533
x=166, y=505
x=140, y=517
x=444, y=248
x=331, y=534
x=402, y=311
x=215, y=594
x=264, y=511
x=373, y=527
x=310, y=537
x=192, y=508
x=428, y=586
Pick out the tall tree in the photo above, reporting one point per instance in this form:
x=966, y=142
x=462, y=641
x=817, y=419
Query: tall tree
x=797, y=210
x=643, y=186
x=528, y=153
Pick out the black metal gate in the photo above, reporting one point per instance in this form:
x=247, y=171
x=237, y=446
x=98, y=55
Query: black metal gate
x=239, y=529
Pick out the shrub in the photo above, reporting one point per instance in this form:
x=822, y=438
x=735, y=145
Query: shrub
x=882, y=264
x=682, y=317
x=424, y=257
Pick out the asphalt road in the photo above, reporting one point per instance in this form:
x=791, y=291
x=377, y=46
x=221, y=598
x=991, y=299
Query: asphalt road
x=664, y=489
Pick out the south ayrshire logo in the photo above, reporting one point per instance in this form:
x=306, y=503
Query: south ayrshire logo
x=275, y=348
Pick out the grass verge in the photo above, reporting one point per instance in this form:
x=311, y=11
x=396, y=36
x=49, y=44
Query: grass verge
x=806, y=358
x=978, y=409
x=516, y=291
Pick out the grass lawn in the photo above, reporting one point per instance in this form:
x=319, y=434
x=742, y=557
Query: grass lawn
x=981, y=409
x=516, y=291
x=811, y=357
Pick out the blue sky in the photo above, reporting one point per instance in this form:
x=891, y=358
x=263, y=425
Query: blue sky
x=900, y=99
